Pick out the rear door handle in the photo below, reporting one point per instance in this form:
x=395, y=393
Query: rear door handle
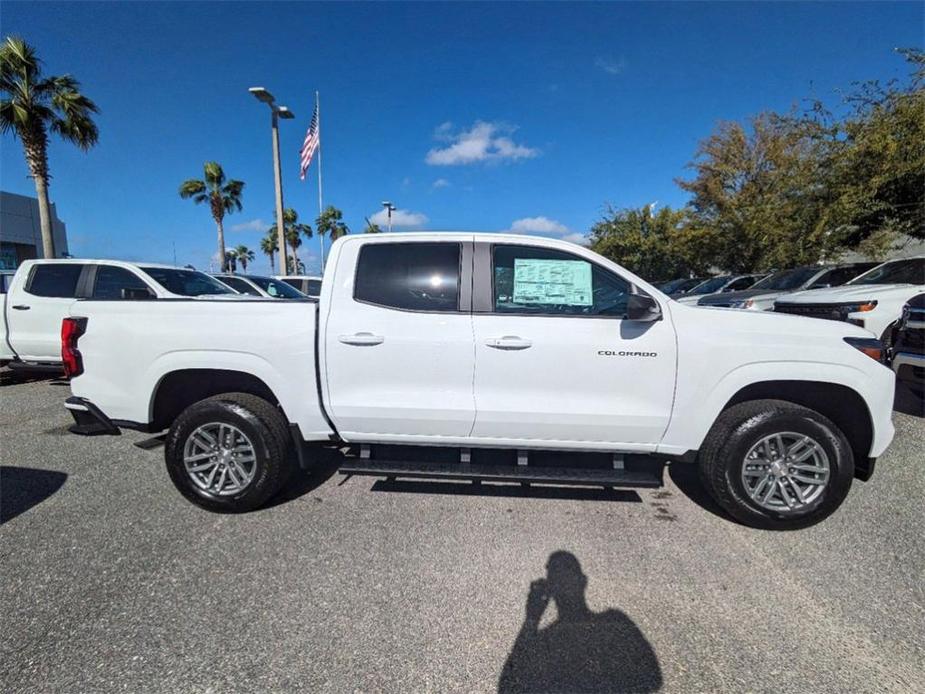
x=366, y=339
x=22, y=307
x=511, y=342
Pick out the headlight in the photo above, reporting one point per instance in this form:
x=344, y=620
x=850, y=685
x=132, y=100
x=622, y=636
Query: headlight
x=746, y=303
x=863, y=307
x=870, y=346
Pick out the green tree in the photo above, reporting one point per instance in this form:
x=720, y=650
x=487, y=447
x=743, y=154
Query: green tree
x=293, y=230
x=875, y=160
x=224, y=197
x=269, y=246
x=329, y=224
x=32, y=105
x=656, y=246
x=371, y=228
x=757, y=190
x=244, y=255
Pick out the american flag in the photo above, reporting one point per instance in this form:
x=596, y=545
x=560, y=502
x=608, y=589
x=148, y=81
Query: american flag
x=312, y=140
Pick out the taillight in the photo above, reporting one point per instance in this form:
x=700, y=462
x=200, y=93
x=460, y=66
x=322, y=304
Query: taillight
x=71, y=330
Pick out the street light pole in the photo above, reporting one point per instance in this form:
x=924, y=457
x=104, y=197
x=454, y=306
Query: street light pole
x=278, y=178
x=388, y=208
x=276, y=112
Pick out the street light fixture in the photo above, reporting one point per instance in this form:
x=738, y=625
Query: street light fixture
x=389, y=208
x=277, y=112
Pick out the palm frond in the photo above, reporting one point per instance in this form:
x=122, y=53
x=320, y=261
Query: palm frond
x=214, y=175
x=192, y=187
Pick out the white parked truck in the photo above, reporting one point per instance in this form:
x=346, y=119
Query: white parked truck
x=487, y=357
x=41, y=292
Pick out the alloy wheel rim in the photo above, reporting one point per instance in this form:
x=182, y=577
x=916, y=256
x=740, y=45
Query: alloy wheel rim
x=219, y=459
x=785, y=472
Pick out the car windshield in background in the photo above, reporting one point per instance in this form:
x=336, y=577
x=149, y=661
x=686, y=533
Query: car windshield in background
x=276, y=288
x=710, y=286
x=787, y=279
x=910, y=271
x=186, y=282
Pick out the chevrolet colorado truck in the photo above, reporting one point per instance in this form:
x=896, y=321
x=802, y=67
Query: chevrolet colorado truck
x=489, y=357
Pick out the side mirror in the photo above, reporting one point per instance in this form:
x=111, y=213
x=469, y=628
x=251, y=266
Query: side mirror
x=136, y=293
x=642, y=307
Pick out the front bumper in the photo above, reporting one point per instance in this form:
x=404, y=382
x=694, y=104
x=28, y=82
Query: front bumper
x=89, y=420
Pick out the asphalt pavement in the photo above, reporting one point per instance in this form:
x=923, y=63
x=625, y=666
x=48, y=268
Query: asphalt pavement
x=111, y=581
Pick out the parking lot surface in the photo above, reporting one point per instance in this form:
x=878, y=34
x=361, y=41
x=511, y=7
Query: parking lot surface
x=111, y=581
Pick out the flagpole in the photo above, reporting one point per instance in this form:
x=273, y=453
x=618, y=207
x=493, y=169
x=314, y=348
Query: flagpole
x=320, y=204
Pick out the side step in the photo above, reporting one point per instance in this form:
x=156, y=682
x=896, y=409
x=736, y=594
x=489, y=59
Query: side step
x=502, y=473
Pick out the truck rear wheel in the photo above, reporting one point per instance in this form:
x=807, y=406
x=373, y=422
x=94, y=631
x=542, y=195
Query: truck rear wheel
x=776, y=465
x=228, y=453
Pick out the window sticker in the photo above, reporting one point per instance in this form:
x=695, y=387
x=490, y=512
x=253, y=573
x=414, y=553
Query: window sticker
x=560, y=282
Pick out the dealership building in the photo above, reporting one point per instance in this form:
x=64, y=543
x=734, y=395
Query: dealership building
x=21, y=233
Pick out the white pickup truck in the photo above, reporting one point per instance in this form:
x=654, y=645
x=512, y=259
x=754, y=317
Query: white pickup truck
x=487, y=357
x=41, y=292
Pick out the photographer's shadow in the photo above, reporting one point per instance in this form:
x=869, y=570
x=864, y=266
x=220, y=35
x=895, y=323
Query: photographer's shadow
x=582, y=651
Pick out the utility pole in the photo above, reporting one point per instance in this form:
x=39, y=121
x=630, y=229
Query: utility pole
x=389, y=208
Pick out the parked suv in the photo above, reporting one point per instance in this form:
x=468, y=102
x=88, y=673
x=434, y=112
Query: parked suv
x=41, y=292
x=264, y=287
x=718, y=285
x=909, y=347
x=761, y=295
x=873, y=301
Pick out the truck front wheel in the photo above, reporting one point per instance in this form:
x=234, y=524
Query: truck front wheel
x=776, y=465
x=228, y=453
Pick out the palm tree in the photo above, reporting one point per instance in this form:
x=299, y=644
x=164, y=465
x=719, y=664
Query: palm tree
x=372, y=228
x=329, y=222
x=293, y=231
x=269, y=246
x=244, y=255
x=223, y=197
x=31, y=106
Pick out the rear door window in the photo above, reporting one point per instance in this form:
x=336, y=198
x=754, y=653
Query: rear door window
x=409, y=276
x=111, y=280
x=55, y=280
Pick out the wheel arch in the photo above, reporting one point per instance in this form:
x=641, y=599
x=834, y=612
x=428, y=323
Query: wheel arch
x=843, y=405
x=178, y=389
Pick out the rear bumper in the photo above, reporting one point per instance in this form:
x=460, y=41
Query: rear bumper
x=89, y=420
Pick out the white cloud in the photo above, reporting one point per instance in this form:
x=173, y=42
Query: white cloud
x=580, y=239
x=482, y=142
x=253, y=225
x=441, y=183
x=538, y=225
x=610, y=66
x=400, y=218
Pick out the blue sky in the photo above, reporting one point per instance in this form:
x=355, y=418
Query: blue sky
x=474, y=117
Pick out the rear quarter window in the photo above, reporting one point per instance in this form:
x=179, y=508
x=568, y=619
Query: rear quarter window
x=53, y=280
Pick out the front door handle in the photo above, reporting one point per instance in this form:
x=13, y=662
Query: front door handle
x=22, y=307
x=511, y=342
x=363, y=339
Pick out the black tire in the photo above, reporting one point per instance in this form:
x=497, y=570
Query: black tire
x=742, y=426
x=261, y=422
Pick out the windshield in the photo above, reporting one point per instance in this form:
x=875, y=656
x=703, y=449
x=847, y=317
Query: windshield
x=186, y=282
x=277, y=289
x=911, y=271
x=710, y=286
x=787, y=279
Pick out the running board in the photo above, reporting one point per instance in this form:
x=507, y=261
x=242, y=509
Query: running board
x=500, y=473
